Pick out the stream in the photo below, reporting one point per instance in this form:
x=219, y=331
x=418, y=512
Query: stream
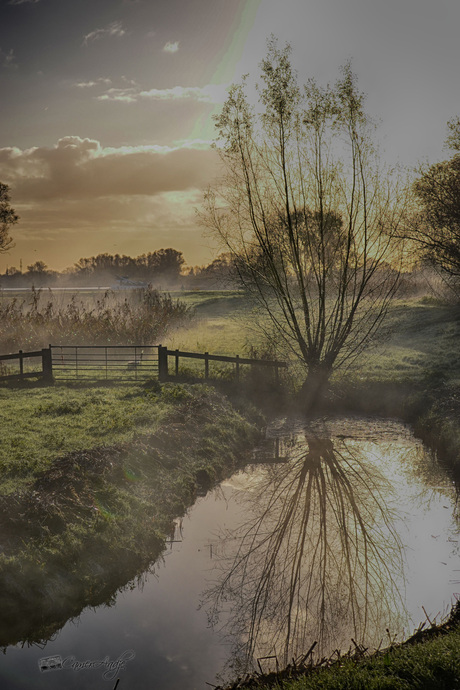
x=344, y=529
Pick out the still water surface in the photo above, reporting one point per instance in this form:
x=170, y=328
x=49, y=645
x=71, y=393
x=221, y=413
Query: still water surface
x=354, y=531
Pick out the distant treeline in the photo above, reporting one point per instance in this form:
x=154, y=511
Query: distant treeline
x=163, y=268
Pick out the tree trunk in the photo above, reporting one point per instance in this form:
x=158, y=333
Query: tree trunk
x=314, y=388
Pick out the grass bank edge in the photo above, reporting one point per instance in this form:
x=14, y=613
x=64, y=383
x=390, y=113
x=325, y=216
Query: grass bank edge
x=430, y=660
x=95, y=519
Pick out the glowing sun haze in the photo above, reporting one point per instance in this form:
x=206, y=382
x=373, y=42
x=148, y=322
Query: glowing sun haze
x=106, y=106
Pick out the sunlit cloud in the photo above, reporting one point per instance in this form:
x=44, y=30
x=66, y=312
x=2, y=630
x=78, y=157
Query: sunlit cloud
x=127, y=95
x=211, y=93
x=91, y=83
x=77, y=168
x=115, y=29
x=171, y=47
x=136, y=196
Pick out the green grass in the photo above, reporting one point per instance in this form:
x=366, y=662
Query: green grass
x=420, y=335
x=221, y=324
x=41, y=424
x=431, y=665
x=94, y=478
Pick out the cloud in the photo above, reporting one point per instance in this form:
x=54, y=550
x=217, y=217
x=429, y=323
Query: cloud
x=90, y=84
x=77, y=168
x=21, y=2
x=115, y=29
x=126, y=95
x=78, y=198
x=171, y=47
x=211, y=93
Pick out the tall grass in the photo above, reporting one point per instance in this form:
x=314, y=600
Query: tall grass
x=142, y=317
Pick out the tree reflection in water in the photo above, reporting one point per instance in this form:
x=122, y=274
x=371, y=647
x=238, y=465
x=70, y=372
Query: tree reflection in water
x=318, y=559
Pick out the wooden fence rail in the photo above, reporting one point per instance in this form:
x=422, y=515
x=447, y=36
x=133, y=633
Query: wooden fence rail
x=118, y=362
x=164, y=353
x=46, y=371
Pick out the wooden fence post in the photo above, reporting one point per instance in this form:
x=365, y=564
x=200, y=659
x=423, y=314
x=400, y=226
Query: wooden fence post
x=237, y=367
x=177, y=363
x=47, y=364
x=162, y=363
x=21, y=363
x=206, y=365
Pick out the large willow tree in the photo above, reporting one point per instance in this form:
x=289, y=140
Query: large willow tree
x=307, y=214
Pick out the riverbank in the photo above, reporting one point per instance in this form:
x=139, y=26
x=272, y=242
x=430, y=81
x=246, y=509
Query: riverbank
x=429, y=660
x=93, y=519
x=83, y=524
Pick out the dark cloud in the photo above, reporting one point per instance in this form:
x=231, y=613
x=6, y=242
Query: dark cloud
x=78, y=198
x=79, y=168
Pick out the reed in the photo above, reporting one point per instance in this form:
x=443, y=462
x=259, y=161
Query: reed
x=142, y=316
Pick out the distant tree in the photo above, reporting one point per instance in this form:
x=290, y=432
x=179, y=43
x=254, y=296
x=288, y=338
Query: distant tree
x=39, y=274
x=37, y=267
x=220, y=272
x=13, y=271
x=308, y=214
x=166, y=264
x=160, y=265
x=8, y=217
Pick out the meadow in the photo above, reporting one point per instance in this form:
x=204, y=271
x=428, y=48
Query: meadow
x=77, y=466
x=418, y=338
x=416, y=351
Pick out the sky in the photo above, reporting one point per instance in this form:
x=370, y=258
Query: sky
x=106, y=109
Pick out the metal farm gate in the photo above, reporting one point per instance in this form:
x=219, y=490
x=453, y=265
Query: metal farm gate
x=104, y=362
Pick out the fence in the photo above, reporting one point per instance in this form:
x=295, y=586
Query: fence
x=118, y=362
x=104, y=362
x=27, y=365
x=164, y=354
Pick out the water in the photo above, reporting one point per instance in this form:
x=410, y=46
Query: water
x=354, y=532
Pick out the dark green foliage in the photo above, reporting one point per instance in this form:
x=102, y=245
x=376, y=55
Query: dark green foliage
x=8, y=217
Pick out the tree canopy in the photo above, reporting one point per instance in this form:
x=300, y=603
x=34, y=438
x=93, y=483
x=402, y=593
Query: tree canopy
x=7, y=218
x=436, y=226
x=308, y=214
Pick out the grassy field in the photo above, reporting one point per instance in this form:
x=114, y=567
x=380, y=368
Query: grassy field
x=419, y=337
x=101, y=470
x=40, y=424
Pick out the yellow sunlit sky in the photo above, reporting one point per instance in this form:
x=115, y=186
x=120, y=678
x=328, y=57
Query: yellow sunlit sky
x=106, y=106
